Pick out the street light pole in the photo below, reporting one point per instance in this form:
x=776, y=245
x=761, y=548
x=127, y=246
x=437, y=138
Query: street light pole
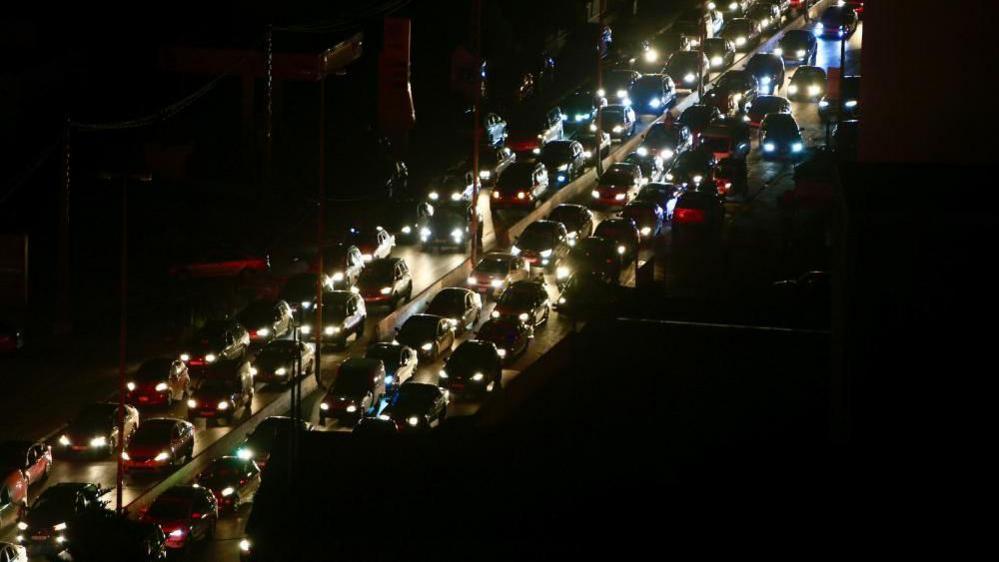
x=476, y=43
x=600, y=85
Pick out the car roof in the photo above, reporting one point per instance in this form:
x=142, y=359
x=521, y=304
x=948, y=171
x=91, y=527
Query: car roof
x=362, y=364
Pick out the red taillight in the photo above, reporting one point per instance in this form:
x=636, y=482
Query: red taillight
x=688, y=215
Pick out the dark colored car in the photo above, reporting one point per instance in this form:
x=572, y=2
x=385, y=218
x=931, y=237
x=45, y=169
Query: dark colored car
x=109, y=537
x=542, y=244
x=580, y=109
x=431, y=336
x=492, y=162
x=780, y=137
x=662, y=46
x=649, y=217
x=218, y=340
x=267, y=320
x=624, y=233
x=222, y=262
x=460, y=306
x=375, y=427
x=727, y=138
x=46, y=525
x=373, y=242
x=588, y=294
x=417, y=406
x=496, y=271
x=837, y=22
x=344, y=315
x=846, y=140
x=474, y=368
x=734, y=89
x=694, y=167
x=617, y=120
x=697, y=21
x=577, y=220
x=454, y=185
x=158, y=444
x=616, y=84
x=186, y=514
x=765, y=105
x=158, y=382
x=768, y=69
x=449, y=224
x=533, y=130
x=510, y=336
x=592, y=147
x=699, y=209
x=591, y=255
x=653, y=94
x=731, y=8
x=401, y=214
x=269, y=433
x=742, y=32
x=523, y=184
x=766, y=15
x=662, y=194
x=686, y=68
x=95, y=430
x=651, y=165
x=564, y=160
x=231, y=480
x=342, y=264
x=666, y=141
x=31, y=458
x=618, y=185
x=11, y=337
x=797, y=46
x=400, y=362
x=300, y=293
x=527, y=301
x=227, y=389
x=357, y=391
x=808, y=84
x=847, y=106
x=720, y=53
x=277, y=361
x=697, y=118
x=386, y=281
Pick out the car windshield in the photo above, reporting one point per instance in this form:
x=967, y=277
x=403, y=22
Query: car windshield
x=766, y=105
x=213, y=331
x=471, y=355
x=377, y=271
x=55, y=499
x=717, y=144
x=217, y=386
x=696, y=117
x=537, y=238
x=650, y=86
x=670, y=42
x=280, y=348
x=617, y=80
x=447, y=301
x=565, y=214
x=389, y=355
x=715, y=45
x=336, y=301
x=591, y=248
x=796, y=38
x=419, y=329
x=95, y=415
x=270, y=428
x=495, y=266
x=810, y=73
x=556, y=151
x=733, y=81
x=660, y=135
x=169, y=507
x=301, y=286
x=516, y=176
x=518, y=296
x=421, y=393
x=834, y=16
x=496, y=330
x=225, y=468
x=261, y=312
x=611, y=230
x=617, y=178
x=578, y=103
x=612, y=115
x=850, y=88
x=154, y=370
x=737, y=27
x=153, y=431
x=761, y=64
x=685, y=60
x=352, y=382
x=781, y=125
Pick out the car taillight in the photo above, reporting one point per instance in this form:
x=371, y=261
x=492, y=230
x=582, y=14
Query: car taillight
x=688, y=215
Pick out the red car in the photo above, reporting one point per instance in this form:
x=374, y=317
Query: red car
x=185, y=513
x=522, y=184
x=624, y=233
x=223, y=263
x=159, y=382
x=510, y=336
x=34, y=460
x=619, y=184
x=158, y=444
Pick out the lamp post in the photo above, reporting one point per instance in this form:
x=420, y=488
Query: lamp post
x=600, y=84
x=476, y=49
x=122, y=334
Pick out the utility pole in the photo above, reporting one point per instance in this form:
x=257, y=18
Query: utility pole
x=600, y=86
x=268, y=100
x=477, y=51
x=64, y=314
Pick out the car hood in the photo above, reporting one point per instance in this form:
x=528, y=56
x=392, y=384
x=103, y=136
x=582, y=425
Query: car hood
x=39, y=519
x=145, y=450
x=272, y=362
x=88, y=430
x=211, y=396
x=217, y=483
x=401, y=411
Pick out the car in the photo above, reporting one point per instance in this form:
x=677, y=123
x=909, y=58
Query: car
x=734, y=89
x=449, y=224
x=231, y=480
x=158, y=382
x=720, y=53
x=780, y=137
x=10, y=552
x=768, y=69
x=577, y=220
x=652, y=94
x=648, y=216
x=13, y=497
x=698, y=210
x=94, y=430
x=697, y=22
x=797, y=46
x=186, y=514
x=357, y=391
x=158, y=444
x=386, y=281
x=542, y=244
x=11, y=337
x=267, y=320
x=270, y=432
x=492, y=131
x=588, y=294
x=511, y=337
x=32, y=458
x=460, y=306
x=375, y=427
x=417, y=407
x=523, y=184
x=727, y=138
x=227, y=388
x=836, y=22
x=624, y=233
x=431, y=336
x=808, y=84
x=299, y=292
x=651, y=164
x=453, y=185
x=527, y=301
x=46, y=525
x=666, y=140
x=767, y=15
x=592, y=148
x=496, y=271
x=344, y=315
x=107, y=536
x=492, y=162
x=696, y=118
x=278, y=361
x=847, y=106
x=400, y=362
x=618, y=120
x=580, y=108
x=662, y=46
x=785, y=6
x=221, y=262
x=616, y=84
x=564, y=161
x=218, y=340
x=694, y=167
x=765, y=105
x=731, y=8
x=533, y=130
x=475, y=368
x=732, y=176
x=618, y=185
x=632, y=51
x=591, y=255
x=742, y=32
x=846, y=140
x=662, y=194
x=373, y=242
x=686, y=69
x=342, y=264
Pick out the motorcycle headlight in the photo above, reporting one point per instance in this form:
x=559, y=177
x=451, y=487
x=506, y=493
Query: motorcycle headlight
x=521, y=195
x=501, y=352
x=351, y=409
x=595, y=194
x=177, y=533
x=814, y=90
x=593, y=127
x=621, y=250
x=185, y=357
x=306, y=305
x=850, y=104
x=666, y=153
x=162, y=456
x=792, y=89
x=740, y=41
x=800, y=53
x=495, y=314
x=244, y=453
x=433, y=196
x=130, y=386
x=561, y=300
x=408, y=230
x=601, y=92
x=698, y=178
x=563, y=168
x=587, y=154
x=306, y=329
x=619, y=197
x=617, y=129
x=324, y=406
x=59, y=527
x=161, y=387
x=733, y=6
x=472, y=280
x=765, y=80
x=646, y=231
x=125, y=456
x=442, y=374
x=485, y=174
x=536, y=150
x=457, y=233
x=622, y=94
x=21, y=525
x=99, y=442
x=337, y=276
x=330, y=330
x=244, y=545
x=496, y=283
x=823, y=103
x=669, y=176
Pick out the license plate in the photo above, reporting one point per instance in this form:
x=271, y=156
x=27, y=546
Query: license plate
x=79, y=447
x=39, y=537
x=143, y=399
x=457, y=387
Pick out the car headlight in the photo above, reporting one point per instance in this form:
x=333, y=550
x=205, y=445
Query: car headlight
x=162, y=456
x=501, y=352
x=769, y=147
x=595, y=194
x=814, y=90
x=823, y=103
x=563, y=168
x=478, y=377
x=778, y=51
x=99, y=442
x=850, y=104
x=351, y=409
x=740, y=41
x=494, y=314
x=646, y=231
x=765, y=80
x=324, y=406
x=587, y=154
x=800, y=53
x=192, y=403
x=666, y=153
x=765, y=22
x=797, y=147
x=185, y=357
x=176, y=533
x=386, y=290
x=228, y=491
x=819, y=26
x=306, y=305
x=711, y=5
x=622, y=94
x=617, y=129
x=22, y=525
x=424, y=232
x=792, y=89
x=485, y=174
x=408, y=229
x=413, y=421
x=442, y=374
x=211, y=358
x=521, y=195
x=593, y=127
x=561, y=300
x=515, y=250
x=330, y=330
x=367, y=257
x=125, y=456
x=689, y=77
x=642, y=151
x=433, y=196
x=496, y=194
x=223, y=405
x=496, y=283
x=264, y=332
x=523, y=317
x=306, y=329
x=546, y=254
x=472, y=280
x=621, y=250
x=244, y=545
x=651, y=55
x=130, y=386
x=581, y=117
x=59, y=527
x=601, y=92
x=561, y=272
x=698, y=178
x=427, y=346
x=337, y=276
x=280, y=371
x=733, y=6
x=457, y=233
x=619, y=197
x=244, y=453
x=717, y=61
x=162, y=387
x=536, y=150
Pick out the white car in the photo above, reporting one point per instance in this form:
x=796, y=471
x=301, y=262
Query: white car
x=12, y=553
